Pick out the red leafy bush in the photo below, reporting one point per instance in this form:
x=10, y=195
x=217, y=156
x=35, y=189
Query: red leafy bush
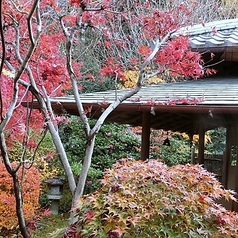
x=149, y=199
x=30, y=182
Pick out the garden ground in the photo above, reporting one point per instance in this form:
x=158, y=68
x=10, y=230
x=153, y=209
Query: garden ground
x=49, y=225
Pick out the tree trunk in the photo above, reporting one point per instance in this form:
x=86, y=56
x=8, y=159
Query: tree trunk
x=63, y=157
x=19, y=211
x=82, y=178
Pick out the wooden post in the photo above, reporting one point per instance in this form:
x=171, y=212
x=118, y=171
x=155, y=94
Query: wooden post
x=192, y=155
x=226, y=157
x=192, y=149
x=145, y=137
x=235, y=204
x=201, y=145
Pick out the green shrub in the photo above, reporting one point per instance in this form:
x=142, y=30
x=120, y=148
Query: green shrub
x=150, y=199
x=112, y=141
x=177, y=153
x=216, y=144
x=93, y=182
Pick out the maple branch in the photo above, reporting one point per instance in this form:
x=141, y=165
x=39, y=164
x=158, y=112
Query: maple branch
x=4, y=122
x=17, y=8
x=3, y=57
x=24, y=63
x=4, y=154
x=14, y=99
x=94, y=9
x=157, y=46
x=32, y=158
x=48, y=104
x=141, y=78
x=29, y=19
x=64, y=28
x=153, y=74
x=11, y=107
x=69, y=38
x=46, y=109
x=211, y=65
x=26, y=136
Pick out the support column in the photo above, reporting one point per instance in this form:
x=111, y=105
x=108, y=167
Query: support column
x=226, y=157
x=145, y=137
x=201, y=145
x=192, y=149
x=235, y=204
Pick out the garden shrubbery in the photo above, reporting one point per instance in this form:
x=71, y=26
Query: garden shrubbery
x=112, y=142
x=150, y=199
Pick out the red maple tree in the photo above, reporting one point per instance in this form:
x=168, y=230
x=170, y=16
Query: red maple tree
x=45, y=46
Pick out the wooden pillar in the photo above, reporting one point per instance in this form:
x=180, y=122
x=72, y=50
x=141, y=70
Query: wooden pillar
x=192, y=149
x=201, y=145
x=235, y=204
x=226, y=157
x=145, y=137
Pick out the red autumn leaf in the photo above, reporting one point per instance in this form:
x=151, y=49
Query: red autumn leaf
x=144, y=50
x=75, y=2
x=89, y=215
x=107, y=44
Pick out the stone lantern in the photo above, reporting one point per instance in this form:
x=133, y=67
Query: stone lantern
x=55, y=194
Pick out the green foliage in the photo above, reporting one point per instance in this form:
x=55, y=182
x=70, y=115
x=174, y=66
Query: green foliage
x=217, y=141
x=112, y=142
x=96, y=85
x=30, y=182
x=177, y=153
x=150, y=199
x=93, y=182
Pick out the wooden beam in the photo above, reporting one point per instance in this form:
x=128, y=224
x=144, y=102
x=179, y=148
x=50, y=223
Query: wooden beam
x=226, y=157
x=145, y=137
x=201, y=145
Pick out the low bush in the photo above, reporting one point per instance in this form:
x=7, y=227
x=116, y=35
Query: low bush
x=150, y=199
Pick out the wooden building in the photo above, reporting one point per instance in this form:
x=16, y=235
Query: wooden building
x=192, y=106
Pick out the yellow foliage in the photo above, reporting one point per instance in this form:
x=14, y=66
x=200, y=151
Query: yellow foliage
x=43, y=159
x=195, y=137
x=131, y=77
x=7, y=73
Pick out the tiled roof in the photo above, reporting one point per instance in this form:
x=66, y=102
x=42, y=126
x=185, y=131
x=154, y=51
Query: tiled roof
x=213, y=91
x=217, y=36
x=216, y=105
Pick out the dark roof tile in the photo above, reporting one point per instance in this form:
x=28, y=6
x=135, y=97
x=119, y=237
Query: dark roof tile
x=218, y=36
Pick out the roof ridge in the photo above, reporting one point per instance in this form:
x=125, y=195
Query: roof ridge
x=209, y=27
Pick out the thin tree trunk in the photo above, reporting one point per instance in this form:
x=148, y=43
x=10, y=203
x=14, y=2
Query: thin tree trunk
x=19, y=211
x=82, y=178
x=63, y=157
x=16, y=186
